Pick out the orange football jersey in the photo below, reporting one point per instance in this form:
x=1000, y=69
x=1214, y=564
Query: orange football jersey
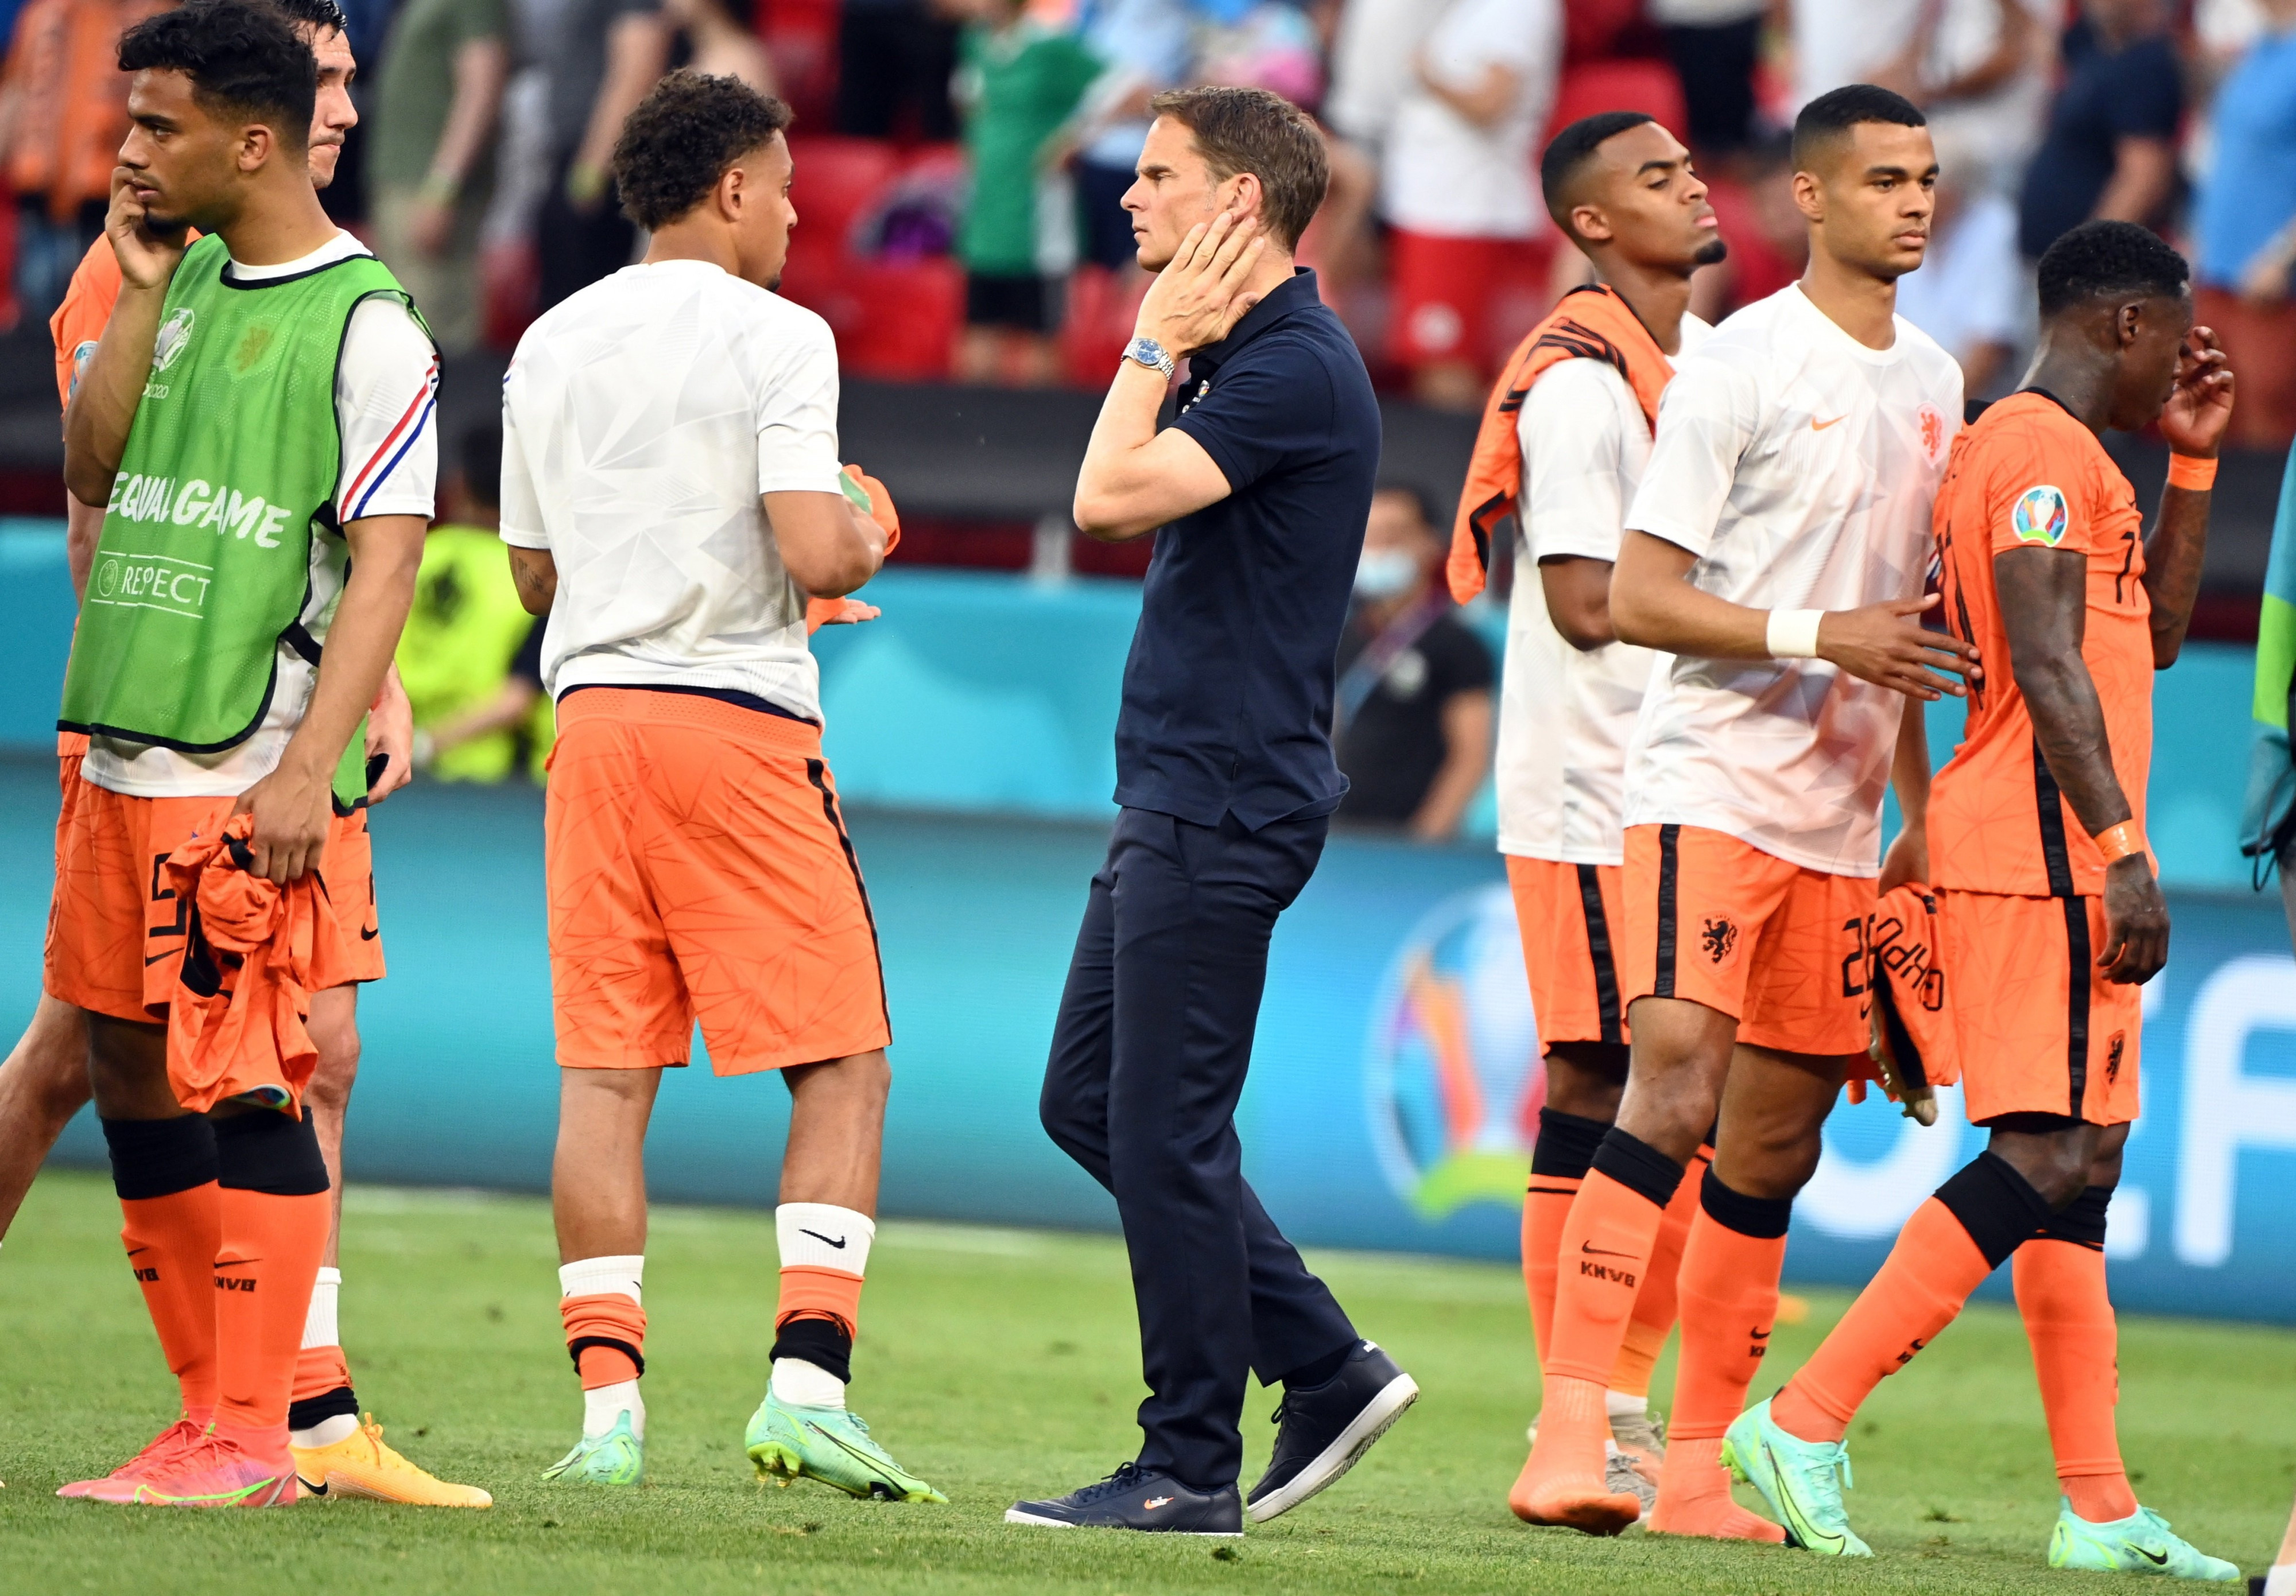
x=2027, y=473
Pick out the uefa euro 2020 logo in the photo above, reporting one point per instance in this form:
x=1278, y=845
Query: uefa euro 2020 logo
x=1451, y=1064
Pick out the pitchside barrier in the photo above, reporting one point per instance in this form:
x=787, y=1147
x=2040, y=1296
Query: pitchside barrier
x=1396, y=1082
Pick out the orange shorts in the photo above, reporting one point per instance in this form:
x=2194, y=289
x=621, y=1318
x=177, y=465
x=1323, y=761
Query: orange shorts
x=699, y=869
x=115, y=931
x=2037, y=1029
x=1566, y=914
x=1779, y=947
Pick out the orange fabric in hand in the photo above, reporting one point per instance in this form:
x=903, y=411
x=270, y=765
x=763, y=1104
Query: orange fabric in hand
x=257, y=952
x=881, y=506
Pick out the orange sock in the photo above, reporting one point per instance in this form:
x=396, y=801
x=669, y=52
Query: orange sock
x=605, y=1333
x=1559, y=1161
x=1653, y=1319
x=1604, y=1257
x=2061, y=1295
x=1977, y=1218
x=171, y=1245
x=1729, y=1300
x=270, y=1253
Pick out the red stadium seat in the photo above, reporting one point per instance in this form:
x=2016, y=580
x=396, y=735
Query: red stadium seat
x=801, y=37
x=833, y=181
x=1645, y=85
x=904, y=318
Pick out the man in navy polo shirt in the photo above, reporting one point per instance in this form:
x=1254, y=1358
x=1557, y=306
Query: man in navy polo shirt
x=1257, y=487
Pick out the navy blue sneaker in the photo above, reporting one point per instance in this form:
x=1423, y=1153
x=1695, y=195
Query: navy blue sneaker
x=1325, y=1431
x=1137, y=1498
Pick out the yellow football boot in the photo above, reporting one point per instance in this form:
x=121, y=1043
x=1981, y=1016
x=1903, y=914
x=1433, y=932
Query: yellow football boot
x=361, y=1465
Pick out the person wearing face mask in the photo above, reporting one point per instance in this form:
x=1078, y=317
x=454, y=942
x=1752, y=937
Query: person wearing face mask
x=1415, y=697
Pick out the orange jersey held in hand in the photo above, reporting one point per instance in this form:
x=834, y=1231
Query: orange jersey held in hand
x=2029, y=475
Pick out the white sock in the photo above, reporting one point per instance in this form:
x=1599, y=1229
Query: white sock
x=2281, y=1581
x=326, y=1432
x=1618, y=1404
x=592, y=1277
x=616, y=1273
x=319, y=1324
x=806, y=1384
x=602, y=1405
x=823, y=1236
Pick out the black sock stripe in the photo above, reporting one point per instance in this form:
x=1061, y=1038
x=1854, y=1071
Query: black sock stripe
x=1566, y=1145
x=1598, y=948
x=817, y=772
x=1670, y=840
x=2082, y=1221
x=1765, y=1218
x=1995, y=1204
x=1638, y=1166
x=574, y=1349
x=2077, y=985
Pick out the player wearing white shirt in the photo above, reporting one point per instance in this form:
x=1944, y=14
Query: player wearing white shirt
x=1622, y=187
x=671, y=498
x=1775, y=549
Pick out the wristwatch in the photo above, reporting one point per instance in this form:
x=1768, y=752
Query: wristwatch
x=1153, y=355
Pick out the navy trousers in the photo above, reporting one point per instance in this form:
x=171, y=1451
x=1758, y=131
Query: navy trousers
x=1148, y=1059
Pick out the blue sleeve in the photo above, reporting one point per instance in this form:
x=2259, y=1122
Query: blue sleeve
x=2148, y=97
x=1270, y=408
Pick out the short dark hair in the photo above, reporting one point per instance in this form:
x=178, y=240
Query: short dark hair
x=683, y=138
x=1828, y=118
x=1251, y=130
x=480, y=460
x=1570, y=150
x=320, y=16
x=2099, y=260
x=242, y=56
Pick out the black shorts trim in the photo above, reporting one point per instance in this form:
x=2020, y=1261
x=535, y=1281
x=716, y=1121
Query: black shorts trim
x=2049, y=800
x=2078, y=974
x=1598, y=947
x=1669, y=870
x=817, y=772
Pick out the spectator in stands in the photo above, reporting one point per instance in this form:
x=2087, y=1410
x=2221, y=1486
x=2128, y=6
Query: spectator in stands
x=1147, y=48
x=1715, y=45
x=2110, y=149
x=1415, y=694
x=1021, y=83
x=1458, y=186
x=460, y=656
x=63, y=110
x=1970, y=290
x=1978, y=69
x=599, y=60
x=436, y=100
x=1371, y=54
x=895, y=59
x=715, y=37
x=2244, y=225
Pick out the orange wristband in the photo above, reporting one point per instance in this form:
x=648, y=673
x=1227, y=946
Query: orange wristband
x=2191, y=473
x=2118, y=842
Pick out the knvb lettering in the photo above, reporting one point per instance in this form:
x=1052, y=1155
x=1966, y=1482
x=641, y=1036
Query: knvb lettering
x=1605, y=1272
x=158, y=500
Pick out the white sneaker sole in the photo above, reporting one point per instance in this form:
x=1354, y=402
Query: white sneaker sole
x=1015, y=1516
x=1378, y=1416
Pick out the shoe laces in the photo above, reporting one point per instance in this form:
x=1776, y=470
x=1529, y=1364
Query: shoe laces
x=374, y=1433
x=1127, y=1474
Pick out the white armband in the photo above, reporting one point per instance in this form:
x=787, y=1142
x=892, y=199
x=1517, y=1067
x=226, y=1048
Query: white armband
x=1793, y=633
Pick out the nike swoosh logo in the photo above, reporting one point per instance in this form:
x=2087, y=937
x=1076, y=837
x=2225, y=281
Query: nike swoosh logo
x=1790, y=1509
x=367, y=936
x=2159, y=1559
x=1592, y=1250
x=1817, y=426
x=315, y=1490
x=1760, y=1335
x=839, y=1244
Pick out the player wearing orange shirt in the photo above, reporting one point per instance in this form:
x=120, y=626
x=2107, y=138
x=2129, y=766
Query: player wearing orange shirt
x=2051, y=912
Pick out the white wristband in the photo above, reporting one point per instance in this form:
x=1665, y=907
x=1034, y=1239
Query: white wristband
x=1793, y=633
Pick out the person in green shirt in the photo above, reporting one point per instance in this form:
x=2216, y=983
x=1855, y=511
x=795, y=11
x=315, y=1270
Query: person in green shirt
x=1020, y=82
x=436, y=100
x=467, y=632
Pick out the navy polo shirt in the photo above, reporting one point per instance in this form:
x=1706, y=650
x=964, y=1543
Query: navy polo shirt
x=1227, y=691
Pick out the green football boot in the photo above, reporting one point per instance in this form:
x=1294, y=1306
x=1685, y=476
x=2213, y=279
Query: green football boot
x=617, y=1458
x=788, y=1443
x=2140, y=1544
x=1802, y=1480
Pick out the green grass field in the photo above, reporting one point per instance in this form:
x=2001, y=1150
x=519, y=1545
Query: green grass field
x=1001, y=1363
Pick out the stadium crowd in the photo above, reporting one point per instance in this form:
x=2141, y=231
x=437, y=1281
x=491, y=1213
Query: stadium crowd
x=961, y=163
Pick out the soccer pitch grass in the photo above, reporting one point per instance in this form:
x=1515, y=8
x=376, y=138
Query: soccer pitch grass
x=1002, y=1363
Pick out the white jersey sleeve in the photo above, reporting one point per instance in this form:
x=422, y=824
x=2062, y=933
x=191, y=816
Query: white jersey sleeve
x=1707, y=417
x=521, y=508
x=796, y=415
x=386, y=409
x=1574, y=429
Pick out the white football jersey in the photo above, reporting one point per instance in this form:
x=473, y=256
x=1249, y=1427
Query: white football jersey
x=1566, y=715
x=642, y=420
x=1800, y=466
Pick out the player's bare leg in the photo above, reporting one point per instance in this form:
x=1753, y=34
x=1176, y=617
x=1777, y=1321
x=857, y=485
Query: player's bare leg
x=597, y=1197
x=42, y=1083
x=2282, y=1580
